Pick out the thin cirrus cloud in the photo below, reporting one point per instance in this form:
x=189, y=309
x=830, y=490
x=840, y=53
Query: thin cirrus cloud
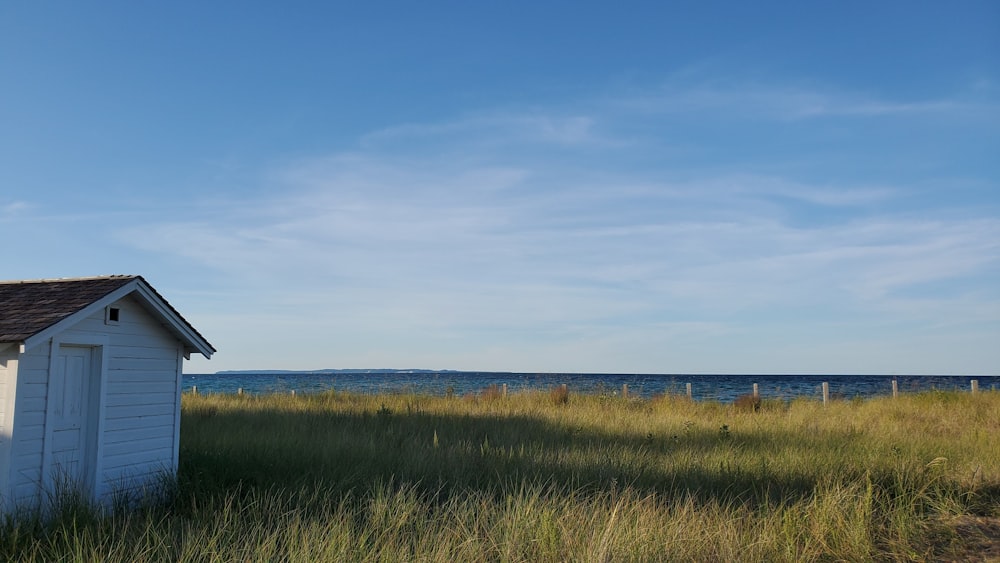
x=11, y=209
x=357, y=224
x=750, y=99
x=519, y=239
x=566, y=130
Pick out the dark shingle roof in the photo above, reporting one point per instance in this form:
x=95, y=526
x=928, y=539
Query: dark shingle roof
x=29, y=307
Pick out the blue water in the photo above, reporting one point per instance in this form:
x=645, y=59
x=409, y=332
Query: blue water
x=704, y=387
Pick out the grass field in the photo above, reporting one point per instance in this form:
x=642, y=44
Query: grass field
x=543, y=477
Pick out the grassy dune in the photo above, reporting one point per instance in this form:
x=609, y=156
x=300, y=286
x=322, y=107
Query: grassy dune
x=343, y=477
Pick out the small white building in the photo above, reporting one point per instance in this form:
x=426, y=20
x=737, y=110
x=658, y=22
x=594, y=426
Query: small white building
x=90, y=386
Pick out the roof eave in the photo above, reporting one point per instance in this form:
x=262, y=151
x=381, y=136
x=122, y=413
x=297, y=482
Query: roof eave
x=193, y=342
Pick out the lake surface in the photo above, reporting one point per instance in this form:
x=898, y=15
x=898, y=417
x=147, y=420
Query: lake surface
x=704, y=387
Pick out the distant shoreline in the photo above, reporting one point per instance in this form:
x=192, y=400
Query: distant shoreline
x=375, y=371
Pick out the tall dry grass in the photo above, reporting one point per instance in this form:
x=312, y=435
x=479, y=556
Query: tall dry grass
x=341, y=477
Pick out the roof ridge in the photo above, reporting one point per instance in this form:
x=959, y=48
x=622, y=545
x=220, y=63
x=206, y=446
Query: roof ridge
x=85, y=278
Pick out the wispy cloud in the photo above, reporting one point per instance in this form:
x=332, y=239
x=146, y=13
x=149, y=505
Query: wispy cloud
x=541, y=243
x=782, y=101
x=531, y=127
x=12, y=208
x=720, y=243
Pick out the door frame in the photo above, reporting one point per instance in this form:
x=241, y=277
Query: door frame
x=98, y=345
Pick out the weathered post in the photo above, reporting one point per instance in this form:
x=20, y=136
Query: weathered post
x=625, y=390
x=194, y=389
x=756, y=391
x=690, y=396
x=293, y=392
x=895, y=388
x=503, y=390
x=826, y=392
x=975, y=385
x=239, y=391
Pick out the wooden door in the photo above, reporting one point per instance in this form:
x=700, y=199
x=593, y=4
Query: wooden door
x=72, y=413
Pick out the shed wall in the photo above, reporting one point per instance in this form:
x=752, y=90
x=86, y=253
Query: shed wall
x=141, y=402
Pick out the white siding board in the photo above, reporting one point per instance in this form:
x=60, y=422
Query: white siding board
x=143, y=399
x=154, y=385
x=36, y=418
x=30, y=376
x=35, y=359
x=26, y=435
x=142, y=340
x=23, y=407
x=29, y=469
x=26, y=462
x=133, y=345
x=136, y=448
x=25, y=493
x=130, y=483
x=143, y=387
x=26, y=472
x=33, y=390
x=138, y=434
x=151, y=468
x=128, y=411
x=138, y=422
x=135, y=458
x=116, y=377
x=153, y=364
x=139, y=350
x=133, y=478
x=151, y=333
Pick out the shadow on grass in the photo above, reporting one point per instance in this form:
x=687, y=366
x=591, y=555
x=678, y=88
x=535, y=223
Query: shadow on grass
x=444, y=454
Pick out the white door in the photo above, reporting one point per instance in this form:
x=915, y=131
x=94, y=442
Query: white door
x=72, y=411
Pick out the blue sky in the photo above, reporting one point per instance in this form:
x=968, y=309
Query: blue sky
x=689, y=187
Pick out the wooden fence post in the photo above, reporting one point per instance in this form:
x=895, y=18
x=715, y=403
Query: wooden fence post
x=625, y=390
x=975, y=385
x=194, y=389
x=895, y=388
x=756, y=391
x=293, y=392
x=239, y=391
x=826, y=392
x=690, y=396
x=503, y=390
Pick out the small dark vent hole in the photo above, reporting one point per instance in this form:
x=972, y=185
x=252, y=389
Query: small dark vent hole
x=113, y=315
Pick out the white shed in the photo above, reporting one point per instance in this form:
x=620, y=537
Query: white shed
x=90, y=386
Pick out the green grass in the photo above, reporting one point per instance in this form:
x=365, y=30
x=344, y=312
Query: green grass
x=342, y=477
